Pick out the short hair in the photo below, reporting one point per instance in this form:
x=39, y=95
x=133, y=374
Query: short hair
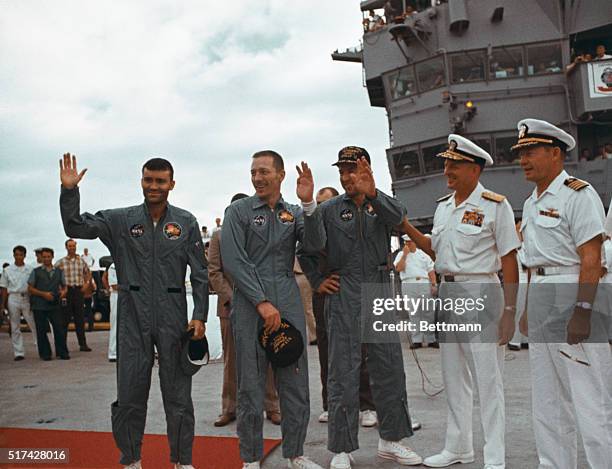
x=21, y=248
x=330, y=189
x=159, y=164
x=279, y=164
x=49, y=250
x=67, y=241
x=238, y=196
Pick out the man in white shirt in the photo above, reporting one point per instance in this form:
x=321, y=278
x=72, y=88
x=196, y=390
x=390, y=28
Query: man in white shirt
x=600, y=53
x=88, y=258
x=217, y=225
x=110, y=279
x=15, y=296
x=570, y=362
x=472, y=238
x=416, y=271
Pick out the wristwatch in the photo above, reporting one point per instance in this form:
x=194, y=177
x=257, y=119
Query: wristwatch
x=584, y=305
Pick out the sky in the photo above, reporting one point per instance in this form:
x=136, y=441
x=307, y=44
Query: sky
x=203, y=84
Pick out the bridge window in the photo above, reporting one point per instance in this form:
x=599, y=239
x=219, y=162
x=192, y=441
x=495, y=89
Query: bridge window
x=469, y=66
x=402, y=83
x=503, y=154
x=431, y=74
x=406, y=164
x=432, y=162
x=544, y=58
x=506, y=62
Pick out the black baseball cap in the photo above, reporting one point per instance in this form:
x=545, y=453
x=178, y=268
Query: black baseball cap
x=284, y=346
x=351, y=154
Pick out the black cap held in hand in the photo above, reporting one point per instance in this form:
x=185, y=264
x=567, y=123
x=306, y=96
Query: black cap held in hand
x=194, y=353
x=283, y=347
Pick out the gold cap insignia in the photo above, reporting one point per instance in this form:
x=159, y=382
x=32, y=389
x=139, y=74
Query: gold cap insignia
x=523, y=131
x=453, y=145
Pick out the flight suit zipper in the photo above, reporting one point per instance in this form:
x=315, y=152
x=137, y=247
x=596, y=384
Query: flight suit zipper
x=272, y=223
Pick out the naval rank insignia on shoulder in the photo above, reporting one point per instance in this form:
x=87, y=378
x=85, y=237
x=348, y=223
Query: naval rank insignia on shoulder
x=576, y=184
x=445, y=197
x=494, y=197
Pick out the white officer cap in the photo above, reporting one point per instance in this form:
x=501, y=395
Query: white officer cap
x=462, y=149
x=534, y=132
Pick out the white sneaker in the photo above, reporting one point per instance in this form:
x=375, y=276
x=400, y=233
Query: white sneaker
x=402, y=455
x=134, y=465
x=446, y=458
x=183, y=466
x=494, y=466
x=250, y=465
x=341, y=461
x=324, y=417
x=302, y=462
x=369, y=418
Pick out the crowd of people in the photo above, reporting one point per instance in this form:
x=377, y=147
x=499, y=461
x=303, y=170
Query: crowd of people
x=48, y=296
x=289, y=275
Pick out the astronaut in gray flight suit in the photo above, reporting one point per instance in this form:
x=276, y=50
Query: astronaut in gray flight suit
x=258, y=245
x=357, y=225
x=151, y=259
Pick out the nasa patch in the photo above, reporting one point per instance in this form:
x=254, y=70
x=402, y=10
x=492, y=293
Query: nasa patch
x=172, y=230
x=346, y=214
x=259, y=220
x=286, y=217
x=136, y=231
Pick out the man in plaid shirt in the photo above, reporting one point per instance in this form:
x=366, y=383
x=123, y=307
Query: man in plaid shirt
x=75, y=272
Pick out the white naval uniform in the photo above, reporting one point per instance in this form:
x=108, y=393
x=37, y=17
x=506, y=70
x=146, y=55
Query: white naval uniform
x=470, y=239
x=606, y=290
x=565, y=394
x=112, y=336
x=521, y=298
x=607, y=261
x=416, y=284
x=15, y=280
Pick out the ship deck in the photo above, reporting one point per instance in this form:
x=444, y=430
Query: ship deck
x=76, y=395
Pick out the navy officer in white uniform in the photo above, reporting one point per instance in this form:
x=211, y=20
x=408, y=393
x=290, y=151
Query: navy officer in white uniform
x=563, y=224
x=472, y=238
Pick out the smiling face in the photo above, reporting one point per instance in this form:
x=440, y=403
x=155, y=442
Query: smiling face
x=460, y=174
x=541, y=163
x=156, y=185
x=265, y=177
x=347, y=172
x=47, y=258
x=71, y=247
x=19, y=256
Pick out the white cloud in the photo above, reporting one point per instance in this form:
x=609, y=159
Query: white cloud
x=203, y=84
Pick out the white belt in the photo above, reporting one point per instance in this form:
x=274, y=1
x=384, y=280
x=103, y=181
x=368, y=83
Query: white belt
x=463, y=277
x=18, y=294
x=411, y=279
x=546, y=270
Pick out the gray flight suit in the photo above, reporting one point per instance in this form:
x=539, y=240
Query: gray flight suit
x=258, y=247
x=151, y=263
x=357, y=245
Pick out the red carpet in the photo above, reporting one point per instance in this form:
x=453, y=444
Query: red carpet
x=97, y=449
